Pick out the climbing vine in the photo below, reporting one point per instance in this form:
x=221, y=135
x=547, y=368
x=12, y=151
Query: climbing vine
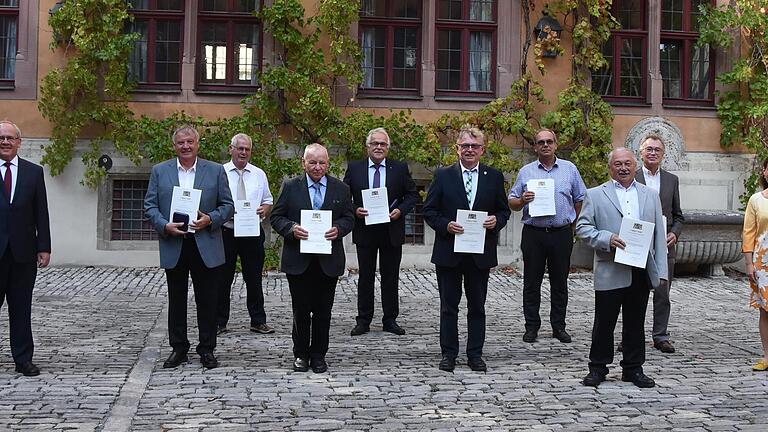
x=743, y=106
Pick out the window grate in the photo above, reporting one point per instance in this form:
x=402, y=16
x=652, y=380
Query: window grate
x=128, y=222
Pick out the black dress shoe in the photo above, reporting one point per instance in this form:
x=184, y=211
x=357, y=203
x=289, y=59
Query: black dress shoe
x=593, y=379
x=209, y=361
x=318, y=365
x=359, y=329
x=28, y=369
x=477, y=364
x=394, y=329
x=664, y=346
x=530, y=336
x=562, y=336
x=176, y=358
x=447, y=364
x=639, y=379
x=300, y=365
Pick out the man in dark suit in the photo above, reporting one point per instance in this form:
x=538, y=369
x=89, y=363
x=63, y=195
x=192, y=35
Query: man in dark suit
x=182, y=253
x=312, y=277
x=468, y=185
x=667, y=185
x=385, y=240
x=619, y=286
x=25, y=242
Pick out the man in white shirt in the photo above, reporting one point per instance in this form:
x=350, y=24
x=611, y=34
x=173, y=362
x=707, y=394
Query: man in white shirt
x=246, y=182
x=668, y=187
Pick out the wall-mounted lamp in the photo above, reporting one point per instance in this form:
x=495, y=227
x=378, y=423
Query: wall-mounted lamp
x=105, y=162
x=548, y=25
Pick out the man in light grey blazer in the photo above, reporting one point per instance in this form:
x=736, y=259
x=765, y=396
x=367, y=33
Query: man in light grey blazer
x=619, y=286
x=183, y=253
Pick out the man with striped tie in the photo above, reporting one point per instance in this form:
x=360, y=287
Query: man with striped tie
x=465, y=185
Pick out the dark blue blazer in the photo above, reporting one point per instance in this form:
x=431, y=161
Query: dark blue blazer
x=294, y=197
x=446, y=195
x=401, y=190
x=24, y=224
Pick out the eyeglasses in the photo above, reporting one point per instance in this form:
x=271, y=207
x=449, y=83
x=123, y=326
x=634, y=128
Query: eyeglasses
x=547, y=142
x=382, y=144
x=8, y=138
x=653, y=149
x=470, y=146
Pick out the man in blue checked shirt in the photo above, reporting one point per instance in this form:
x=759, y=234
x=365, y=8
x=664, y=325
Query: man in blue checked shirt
x=547, y=240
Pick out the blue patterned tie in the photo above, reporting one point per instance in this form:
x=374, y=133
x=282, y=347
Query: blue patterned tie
x=376, y=176
x=317, y=199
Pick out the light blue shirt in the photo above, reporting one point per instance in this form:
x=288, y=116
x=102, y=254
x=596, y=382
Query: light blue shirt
x=323, y=187
x=569, y=189
x=382, y=173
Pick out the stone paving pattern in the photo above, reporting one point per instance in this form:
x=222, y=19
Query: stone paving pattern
x=101, y=339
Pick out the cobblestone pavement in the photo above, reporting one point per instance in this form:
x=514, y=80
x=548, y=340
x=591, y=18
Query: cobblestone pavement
x=101, y=338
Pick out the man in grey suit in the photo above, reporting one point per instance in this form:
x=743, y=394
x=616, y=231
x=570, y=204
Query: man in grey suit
x=312, y=277
x=619, y=286
x=667, y=185
x=199, y=253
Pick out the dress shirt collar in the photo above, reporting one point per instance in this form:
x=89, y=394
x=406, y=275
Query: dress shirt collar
x=465, y=169
x=323, y=181
x=541, y=165
x=14, y=161
x=372, y=164
x=618, y=185
x=181, y=168
x=648, y=173
x=230, y=166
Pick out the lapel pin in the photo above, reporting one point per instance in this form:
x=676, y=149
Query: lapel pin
x=485, y=172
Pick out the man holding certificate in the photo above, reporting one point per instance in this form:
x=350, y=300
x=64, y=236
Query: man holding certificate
x=312, y=214
x=242, y=234
x=189, y=244
x=549, y=191
x=383, y=193
x=462, y=197
x=622, y=215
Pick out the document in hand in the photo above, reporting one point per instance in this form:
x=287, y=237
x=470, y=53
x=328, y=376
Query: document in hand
x=377, y=204
x=472, y=240
x=186, y=201
x=637, y=236
x=247, y=221
x=317, y=223
x=543, y=203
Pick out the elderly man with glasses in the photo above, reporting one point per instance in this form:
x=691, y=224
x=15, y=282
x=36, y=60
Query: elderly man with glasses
x=25, y=242
x=465, y=185
x=547, y=239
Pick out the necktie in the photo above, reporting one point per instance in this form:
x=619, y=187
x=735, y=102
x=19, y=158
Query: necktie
x=468, y=185
x=317, y=199
x=241, y=185
x=376, y=176
x=7, y=181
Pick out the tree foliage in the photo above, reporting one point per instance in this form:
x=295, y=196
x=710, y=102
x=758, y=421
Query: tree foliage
x=743, y=106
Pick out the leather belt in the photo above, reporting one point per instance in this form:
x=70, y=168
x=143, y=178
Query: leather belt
x=548, y=229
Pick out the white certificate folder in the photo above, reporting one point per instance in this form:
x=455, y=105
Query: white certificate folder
x=637, y=236
x=317, y=223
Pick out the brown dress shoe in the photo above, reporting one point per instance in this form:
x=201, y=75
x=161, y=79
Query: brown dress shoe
x=664, y=346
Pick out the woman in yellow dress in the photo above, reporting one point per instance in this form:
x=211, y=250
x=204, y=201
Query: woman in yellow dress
x=755, y=249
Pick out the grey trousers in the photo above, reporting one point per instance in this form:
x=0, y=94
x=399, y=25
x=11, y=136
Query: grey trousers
x=661, y=303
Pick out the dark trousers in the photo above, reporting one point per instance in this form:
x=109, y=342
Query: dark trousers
x=312, y=294
x=389, y=267
x=661, y=304
x=204, y=281
x=542, y=249
x=16, y=283
x=633, y=301
x=475, y=287
x=251, y=252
